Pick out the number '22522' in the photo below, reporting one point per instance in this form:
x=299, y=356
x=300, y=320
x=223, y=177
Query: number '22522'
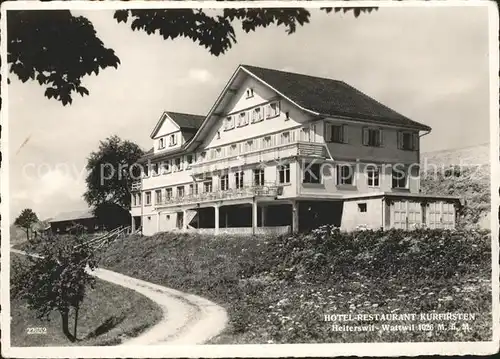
x=36, y=330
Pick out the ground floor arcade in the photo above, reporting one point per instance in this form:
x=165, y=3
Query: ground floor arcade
x=301, y=215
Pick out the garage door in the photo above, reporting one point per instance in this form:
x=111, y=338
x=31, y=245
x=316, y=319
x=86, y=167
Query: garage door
x=441, y=215
x=406, y=214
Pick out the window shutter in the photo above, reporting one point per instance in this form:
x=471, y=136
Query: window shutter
x=415, y=141
x=400, y=139
x=365, y=136
x=381, y=137
x=345, y=134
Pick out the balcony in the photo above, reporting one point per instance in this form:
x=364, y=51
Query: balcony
x=305, y=149
x=136, y=186
x=271, y=190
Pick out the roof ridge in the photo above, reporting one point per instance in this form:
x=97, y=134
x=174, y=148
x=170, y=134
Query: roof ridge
x=294, y=73
x=184, y=113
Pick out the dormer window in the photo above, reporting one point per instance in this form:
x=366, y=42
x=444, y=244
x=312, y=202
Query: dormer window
x=161, y=143
x=249, y=93
x=173, y=140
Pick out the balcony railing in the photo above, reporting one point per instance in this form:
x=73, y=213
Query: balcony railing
x=308, y=149
x=233, y=193
x=136, y=186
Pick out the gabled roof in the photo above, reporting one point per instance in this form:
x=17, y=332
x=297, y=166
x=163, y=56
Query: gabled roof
x=185, y=121
x=330, y=97
x=72, y=216
x=317, y=95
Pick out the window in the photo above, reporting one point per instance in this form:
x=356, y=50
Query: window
x=266, y=142
x=249, y=93
x=372, y=137
x=173, y=140
x=148, y=198
x=218, y=152
x=285, y=138
x=273, y=110
x=407, y=141
x=146, y=170
x=284, y=173
x=178, y=164
x=398, y=178
x=249, y=146
x=229, y=123
x=242, y=119
x=180, y=191
x=233, y=150
x=134, y=199
x=238, y=179
x=154, y=169
x=207, y=186
x=258, y=177
x=257, y=115
x=203, y=156
x=165, y=167
x=168, y=193
x=373, y=176
x=345, y=175
x=312, y=173
x=218, y=135
x=361, y=207
x=305, y=134
x=336, y=133
x=137, y=198
x=161, y=143
x=189, y=160
x=224, y=182
x=158, y=196
x=287, y=116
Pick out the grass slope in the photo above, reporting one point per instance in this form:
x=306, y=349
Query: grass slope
x=109, y=315
x=278, y=289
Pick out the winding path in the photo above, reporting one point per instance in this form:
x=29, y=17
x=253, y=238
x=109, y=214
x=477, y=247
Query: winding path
x=187, y=318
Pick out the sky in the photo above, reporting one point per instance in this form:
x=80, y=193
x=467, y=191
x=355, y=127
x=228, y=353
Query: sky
x=429, y=64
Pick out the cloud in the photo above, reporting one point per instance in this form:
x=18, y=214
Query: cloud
x=200, y=75
x=49, y=192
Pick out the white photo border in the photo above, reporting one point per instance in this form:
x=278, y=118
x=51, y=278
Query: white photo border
x=249, y=350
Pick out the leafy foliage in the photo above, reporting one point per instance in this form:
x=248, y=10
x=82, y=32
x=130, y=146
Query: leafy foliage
x=111, y=172
x=26, y=220
x=57, y=50
x=215, y=31
x=56, y=280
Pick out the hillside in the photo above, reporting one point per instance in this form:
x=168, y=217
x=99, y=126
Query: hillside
x=463, y=172
x=473, y=155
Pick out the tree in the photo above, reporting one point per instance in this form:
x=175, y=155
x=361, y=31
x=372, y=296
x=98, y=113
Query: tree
x=58, y=49
x=111, y=172
x=56, y=280
x=26, y=220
